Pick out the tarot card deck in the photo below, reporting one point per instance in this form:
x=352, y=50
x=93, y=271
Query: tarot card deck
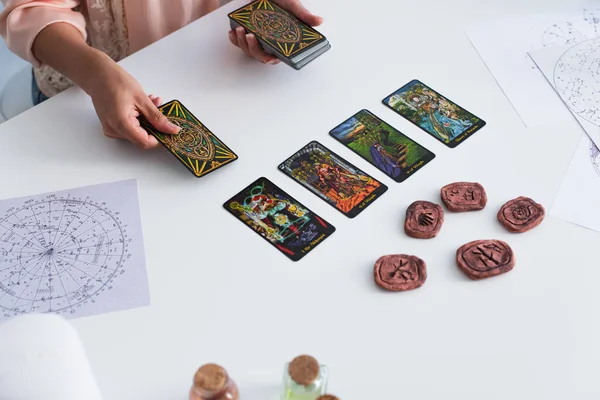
x=280, y=33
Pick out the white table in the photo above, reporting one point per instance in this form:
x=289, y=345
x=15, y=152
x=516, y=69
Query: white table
x=220, y=293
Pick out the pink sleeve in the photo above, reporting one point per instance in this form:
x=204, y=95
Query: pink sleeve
x=22, y=20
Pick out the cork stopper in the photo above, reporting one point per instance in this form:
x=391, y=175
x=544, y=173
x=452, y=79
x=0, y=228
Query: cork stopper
x=304, y=370
x=211, y=378
x=328, y=397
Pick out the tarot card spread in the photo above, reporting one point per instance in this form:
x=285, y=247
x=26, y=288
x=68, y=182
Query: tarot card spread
x=435, y=114
x=279, y=219
x=382, y=145
x=333, y=179
x=195, y=146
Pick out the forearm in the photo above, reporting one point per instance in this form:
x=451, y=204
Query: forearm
x=62, y=47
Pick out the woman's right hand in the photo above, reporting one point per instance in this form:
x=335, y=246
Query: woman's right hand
x=119, y=100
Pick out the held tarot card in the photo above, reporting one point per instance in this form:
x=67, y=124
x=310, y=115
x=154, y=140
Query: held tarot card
x=280, y=33
x=382, y=145
x=333, y=179
x=195, y=146
x=435, y=114
x=279, y=218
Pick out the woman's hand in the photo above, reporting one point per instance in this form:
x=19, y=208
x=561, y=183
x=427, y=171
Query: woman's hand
x=119, y=100
x=250, y=45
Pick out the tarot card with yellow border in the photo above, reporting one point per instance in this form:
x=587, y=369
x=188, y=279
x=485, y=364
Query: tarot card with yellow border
x=195, y=146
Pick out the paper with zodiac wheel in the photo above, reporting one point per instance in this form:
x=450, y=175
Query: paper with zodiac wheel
x=76, y=252
x=279, y=218
x=435, y=114
x=195, y=146
x=277, y=28
x=395, y=154
x=333, y=179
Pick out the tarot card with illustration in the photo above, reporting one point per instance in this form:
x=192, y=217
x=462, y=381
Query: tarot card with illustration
x=394, y=153
x=279, y=219
x=333, y=179
x=435, y=114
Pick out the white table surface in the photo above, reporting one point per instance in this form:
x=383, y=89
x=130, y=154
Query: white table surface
x=220, y=293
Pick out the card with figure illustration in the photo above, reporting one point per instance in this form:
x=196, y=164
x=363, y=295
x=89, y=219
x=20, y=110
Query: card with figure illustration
x=279, y=219
x=195, y=146
x=333, y=179
x=435, y=114
x=394, y=153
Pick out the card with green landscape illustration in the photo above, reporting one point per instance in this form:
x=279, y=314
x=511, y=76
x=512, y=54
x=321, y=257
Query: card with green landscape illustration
x=394, y=153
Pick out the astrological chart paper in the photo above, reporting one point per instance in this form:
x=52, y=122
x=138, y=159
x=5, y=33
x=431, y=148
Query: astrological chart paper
x=503, y=45
x=574, y=73
x=76, y=252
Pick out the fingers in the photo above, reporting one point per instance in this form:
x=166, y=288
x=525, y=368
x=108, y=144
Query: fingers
x=130, y=129
x=141, y=139
x=250, y=46
x=156, y=118
x=296, y=8
x=233, y=38
x=242, y=43
x=133, y=132
x=257, y=52
x=151, y=142
x=157, y=101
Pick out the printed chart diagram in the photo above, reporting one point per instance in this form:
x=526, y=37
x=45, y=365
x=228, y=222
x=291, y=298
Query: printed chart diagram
x=577, y=28
x=72, y=252
x=577, y=80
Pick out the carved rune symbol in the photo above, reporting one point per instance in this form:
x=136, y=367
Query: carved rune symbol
x=469, y=194
x=488, y=256
x=402, y=271
x=425, y=219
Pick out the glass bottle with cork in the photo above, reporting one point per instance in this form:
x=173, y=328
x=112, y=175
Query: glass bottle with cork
x=304, y=379
x=212, y=382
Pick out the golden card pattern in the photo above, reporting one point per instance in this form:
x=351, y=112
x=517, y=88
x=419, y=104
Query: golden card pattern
x=277, y=27
x=195, y=145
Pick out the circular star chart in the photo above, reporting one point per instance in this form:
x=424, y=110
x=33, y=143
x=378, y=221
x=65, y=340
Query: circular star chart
x=577, y=80
x=58, y=254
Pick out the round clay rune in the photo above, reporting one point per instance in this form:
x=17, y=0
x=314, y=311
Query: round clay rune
x=423, y=220
x=521, y=214
x=485, y=258
x=464, y=196
x=399, y=272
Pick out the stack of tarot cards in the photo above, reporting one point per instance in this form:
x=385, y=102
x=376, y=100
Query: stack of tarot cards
x=280, y=33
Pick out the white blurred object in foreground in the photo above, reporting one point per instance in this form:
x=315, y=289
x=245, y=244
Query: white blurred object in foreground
x=41, y=357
